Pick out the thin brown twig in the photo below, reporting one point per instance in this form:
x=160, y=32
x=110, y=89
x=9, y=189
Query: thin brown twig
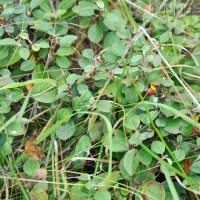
x=52, y=6
x=189, y=189
x=41, y=113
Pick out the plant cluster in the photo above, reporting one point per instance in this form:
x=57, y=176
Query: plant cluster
x=89, y=106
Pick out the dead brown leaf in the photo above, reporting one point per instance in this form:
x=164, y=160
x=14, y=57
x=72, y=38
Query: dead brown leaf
x=148, y=8
x=33, y=151
x=41, y=174
x=187, y=164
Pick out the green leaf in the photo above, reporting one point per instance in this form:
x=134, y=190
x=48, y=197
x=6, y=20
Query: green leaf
x=8, y=41
x=147, y=135
x=6, y=2
x=124, y=34
x=63, y=62
x=114, y=21
x=123, y=171
x=15, y=129
x=135, y=59
x=9, y=29
x=88, y=68
x=63, y=112
x=187, y=129
x=31, y=166
x=43, y=92
x=3, y=140
x=153, y=190
x=46, y=97
x=160, y=122
x=131, y=161
x=82, y=149
x=65, y=51
x=65, y=131
x=24, y=35
x=131, y=95
x=66, y=4
x=39, y=72
x=72, y=78
x=118, y=49
x=24, y=53
x=14, y=94
x=173, y=125
x=80, y=192
x=4, y=52
x=95, y=34
x=95, y=130
x=102, y=179
x=7, y=147
x=132, y=122
x=60, y=12
x=158, y=147
x=179, y=154
x=165, y=36
x=196, y=167
x=19, y=8
x=83, y=62
x=44, y=27
x=145, y=118
x=35, y=3
x=60, y=29
x=8, y=11
x=85, y=8
x=88, y=53
x=119, y=141
x=102, y=195
x=67, y=40
x=83, y=146
x=145, y=157
x=1, y=31
x=198, y=141
x=80, y=103
x=43, y=44
x=104, y=106
x=28, y=65
x=35, y=47
x=135, y=139
x=4, y=105
x=100, y=4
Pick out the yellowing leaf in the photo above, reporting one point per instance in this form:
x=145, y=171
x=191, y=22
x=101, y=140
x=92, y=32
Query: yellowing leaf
x=196, y=117
x=153, y=87
x=32, y=57
x=153, y=190
x=38, y=194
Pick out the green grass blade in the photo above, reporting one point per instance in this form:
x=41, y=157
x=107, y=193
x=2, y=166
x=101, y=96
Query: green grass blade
x=170, y=183
x=26, y=196
x=20, y=84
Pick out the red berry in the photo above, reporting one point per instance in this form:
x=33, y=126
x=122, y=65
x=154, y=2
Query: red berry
x=150, y=91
